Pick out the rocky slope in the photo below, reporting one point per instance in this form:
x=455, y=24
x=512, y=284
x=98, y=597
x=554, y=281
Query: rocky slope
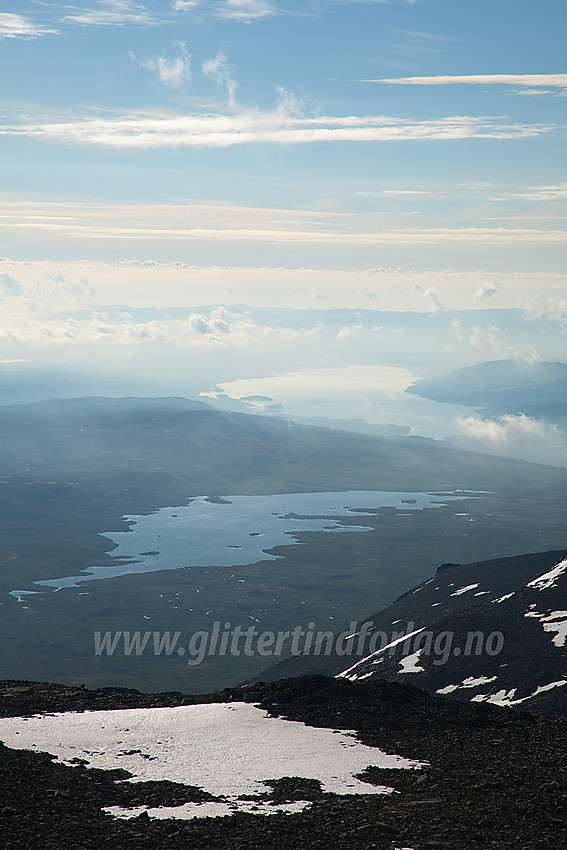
x=495, y=778
x=492, y=631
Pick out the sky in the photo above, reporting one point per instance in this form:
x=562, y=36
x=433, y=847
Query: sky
x=200, y=194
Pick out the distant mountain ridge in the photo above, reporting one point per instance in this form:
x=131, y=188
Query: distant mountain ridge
x=104, y=405
x=238, y=441
x=499, y=385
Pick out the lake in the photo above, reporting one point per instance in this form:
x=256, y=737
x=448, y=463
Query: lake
x=232, y=531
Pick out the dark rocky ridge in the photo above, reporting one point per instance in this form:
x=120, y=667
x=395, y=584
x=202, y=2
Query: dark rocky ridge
x=497, y=778
x=528, y=659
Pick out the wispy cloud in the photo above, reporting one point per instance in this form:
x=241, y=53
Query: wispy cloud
x=425, y=35
x=479, y=338
x=175, y=73
x=403, y=193
x=245, y=10
x=112, y=13
x=218, y=70
x=277, y=126
x=554, y=192
x=16, y=26
x=533, y=80
x=409, y=236
x=226, y=223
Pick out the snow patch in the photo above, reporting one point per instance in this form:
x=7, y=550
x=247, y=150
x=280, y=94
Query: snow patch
x=505, y=597
x=448, y=689
x=556, y=621
x=409, y=664
x=350, y=672
x=469, y=682
x=542, y=688
x=548, y=580
x=466, y=589
x=502, y=697
x=227, y=749
x=205, y=810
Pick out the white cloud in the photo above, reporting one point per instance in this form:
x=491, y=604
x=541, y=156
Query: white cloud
x=534, y=80
x=161, y=285
x=218, y=70
x=9, y=287
x=269, y=232
x=433, y=295
x=245, y=10
x=550, y=307
x=554, y=192
x=219, y=328
x=502, y=429
x=536, y=92
x=240, y=11
x=89, y=315
x=515, y=435
x=215, y=67
x=349, y=331
x=404, y=192
x=486, y=290
x=281, y=125
x=175, y=73
x=480, y=339
x=16, y=26
x=113, y=12
x=43, y=296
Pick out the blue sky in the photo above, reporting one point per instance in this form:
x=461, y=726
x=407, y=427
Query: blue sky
x=387, y=156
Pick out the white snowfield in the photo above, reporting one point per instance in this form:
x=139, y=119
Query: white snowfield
x=549, y=579
x=227, y=749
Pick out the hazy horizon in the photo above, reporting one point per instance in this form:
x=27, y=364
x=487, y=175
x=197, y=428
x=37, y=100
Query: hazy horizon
x=320, y=203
